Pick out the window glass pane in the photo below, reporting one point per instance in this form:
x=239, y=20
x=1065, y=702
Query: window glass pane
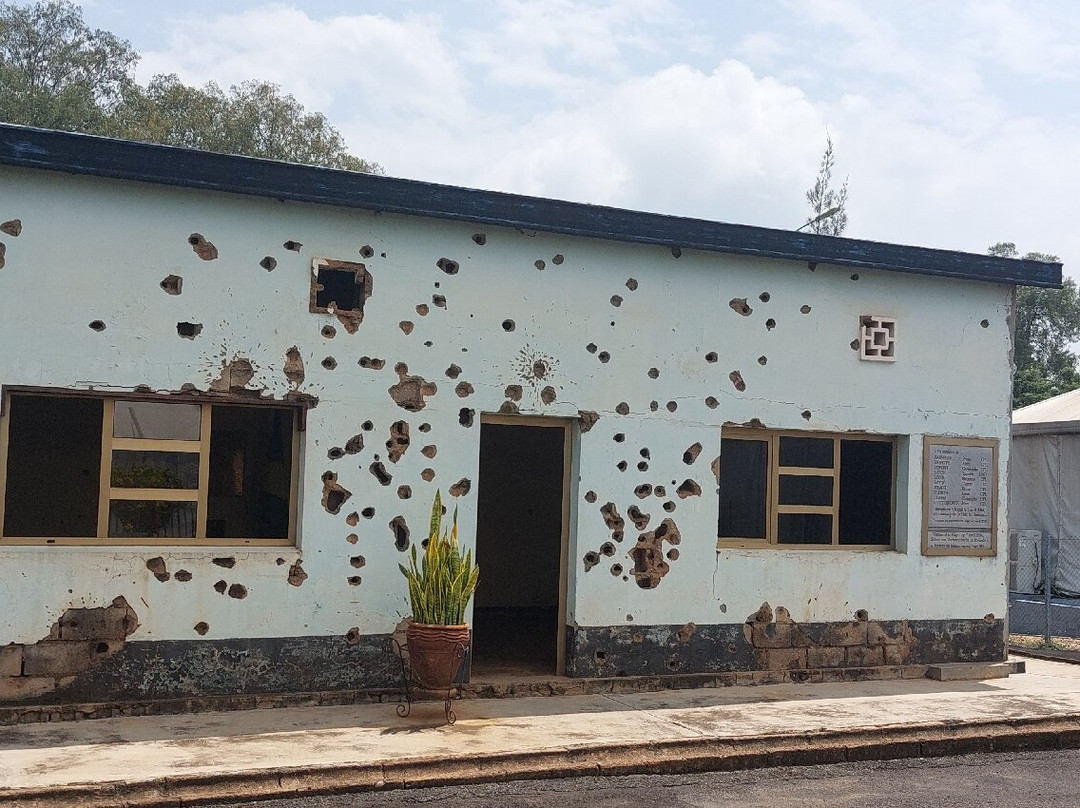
x=807, y=453
x=744, y=470
x=804, y=528
x=798, y=489
x=156, y=419
x=155, y=469
x=145, y=519
x=53, y=466
x=866, y=487
x=250, y=473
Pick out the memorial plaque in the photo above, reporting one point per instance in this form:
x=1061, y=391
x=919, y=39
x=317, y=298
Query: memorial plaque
x=959, y=497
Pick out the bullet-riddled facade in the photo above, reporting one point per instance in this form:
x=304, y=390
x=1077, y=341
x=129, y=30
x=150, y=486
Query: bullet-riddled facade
x=229, y=399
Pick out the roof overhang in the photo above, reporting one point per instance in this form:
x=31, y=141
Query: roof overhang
x=167, y=165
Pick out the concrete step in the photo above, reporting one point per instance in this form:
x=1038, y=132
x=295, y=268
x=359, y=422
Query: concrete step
x=974, y=671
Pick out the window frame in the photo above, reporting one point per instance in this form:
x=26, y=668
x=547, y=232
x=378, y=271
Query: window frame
x=773, y=508
x=297, y=409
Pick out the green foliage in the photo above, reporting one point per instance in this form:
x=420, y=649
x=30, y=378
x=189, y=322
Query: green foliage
x=1047, y=322
x=822, y=198
x=57, y=73
x=443, y=581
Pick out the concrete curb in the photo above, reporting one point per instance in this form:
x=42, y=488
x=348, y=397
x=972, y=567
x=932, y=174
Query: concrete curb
x=936, y=739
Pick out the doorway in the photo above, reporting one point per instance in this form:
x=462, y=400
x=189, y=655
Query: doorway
x=522, y=513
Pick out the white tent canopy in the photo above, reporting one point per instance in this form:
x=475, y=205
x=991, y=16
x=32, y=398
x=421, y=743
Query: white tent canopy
x=1044, y=481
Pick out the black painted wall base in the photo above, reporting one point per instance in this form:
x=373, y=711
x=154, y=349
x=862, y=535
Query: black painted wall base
x=174, y=669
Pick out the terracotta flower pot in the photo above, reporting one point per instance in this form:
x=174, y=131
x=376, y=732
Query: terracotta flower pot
x=436, y=653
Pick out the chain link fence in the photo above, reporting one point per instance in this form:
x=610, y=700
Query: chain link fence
x=1044, y=584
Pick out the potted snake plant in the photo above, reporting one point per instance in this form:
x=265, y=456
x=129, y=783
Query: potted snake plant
x=441, y=582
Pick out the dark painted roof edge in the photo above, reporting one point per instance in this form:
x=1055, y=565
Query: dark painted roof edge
x=146, y=162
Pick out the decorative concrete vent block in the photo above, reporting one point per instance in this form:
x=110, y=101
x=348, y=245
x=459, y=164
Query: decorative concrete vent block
x=877, y=338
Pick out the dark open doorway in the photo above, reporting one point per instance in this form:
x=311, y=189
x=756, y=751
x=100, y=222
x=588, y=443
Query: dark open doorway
x=519, y=605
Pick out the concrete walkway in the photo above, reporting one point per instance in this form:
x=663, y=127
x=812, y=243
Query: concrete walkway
x=184, y=760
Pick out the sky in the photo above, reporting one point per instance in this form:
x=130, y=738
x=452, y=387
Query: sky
x=956, y=123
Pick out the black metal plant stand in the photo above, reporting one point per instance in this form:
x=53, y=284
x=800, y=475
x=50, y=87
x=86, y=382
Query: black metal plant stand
x=411, y=683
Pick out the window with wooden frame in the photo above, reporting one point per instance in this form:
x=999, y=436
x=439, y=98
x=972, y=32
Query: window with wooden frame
x=80, y=468
x=806, y=489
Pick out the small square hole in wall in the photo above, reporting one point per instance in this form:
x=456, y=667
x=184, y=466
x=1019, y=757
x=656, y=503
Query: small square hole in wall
x=877, y=338
x=338, y=286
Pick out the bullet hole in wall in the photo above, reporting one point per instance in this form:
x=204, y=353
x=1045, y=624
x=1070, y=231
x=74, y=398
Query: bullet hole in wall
x=603, y=356
x=399, y=441
x=354, y=580
x=607, y=548
x=621, y=465
x=638, y=517
x=328, y=331
x=334, y=495
x=688, y=488
x=297, y=576
x=400, y=529
x=367, y=426
x=539, y=264
x=238, y=591
x=355, y=444
x=654, y=405
x=335, y=453
x=292, y=245
x=366, y=251
x=590, y=497
x=804, y=309
x=672, y=406
x=172, y=284
x=622, y=408
x=410, y=391
x=464, y=389
x=12, y=227
x=547, y=395
x=763, y=360
x=460, y=488
x=508, y=325
x=770, y=324
x=352, y=636
x=225, y=562
x=427, y=475
x=424, y=427
x=642, y=491
x=985, y=323
x=201, y=628
x=269, y=263
x=711, y=402
x=448, y=266
x=422, y=309
x=740, y=306
x=711, y=356
x=642, y=466
x=183, y=576
x=557, y=259
x=587, y=420
x=294, y=366
x=591, y=559
x=616, y=300
x=379, y=472
x=371, y=363
x=329, y=363
x=465, y=416
x=691, y=454
x=676, y=252
x=353, y=519
x=480, y=239
x=220, y=587
x=737, y=380
x=202, y=248
x=513, y=392
x=807, y=414
x=404, y=492
x=189, y=330
x=352, y=538
x=632, y=284
x=406, y=327
x=660, y=491
x=811, y=265
x=764, y=297
x=591, y=347
x=616, y=569
x=158, y=569
x=429, y=451
x=618, y=437
x=97, y=325
x=855, y=276
x=439, y=301
x=358, y=561
x=368, y=512
x=668, y=506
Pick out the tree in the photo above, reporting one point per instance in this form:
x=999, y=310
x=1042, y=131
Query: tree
x=57, y=73
x=1047, y=322
x=828, y=206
